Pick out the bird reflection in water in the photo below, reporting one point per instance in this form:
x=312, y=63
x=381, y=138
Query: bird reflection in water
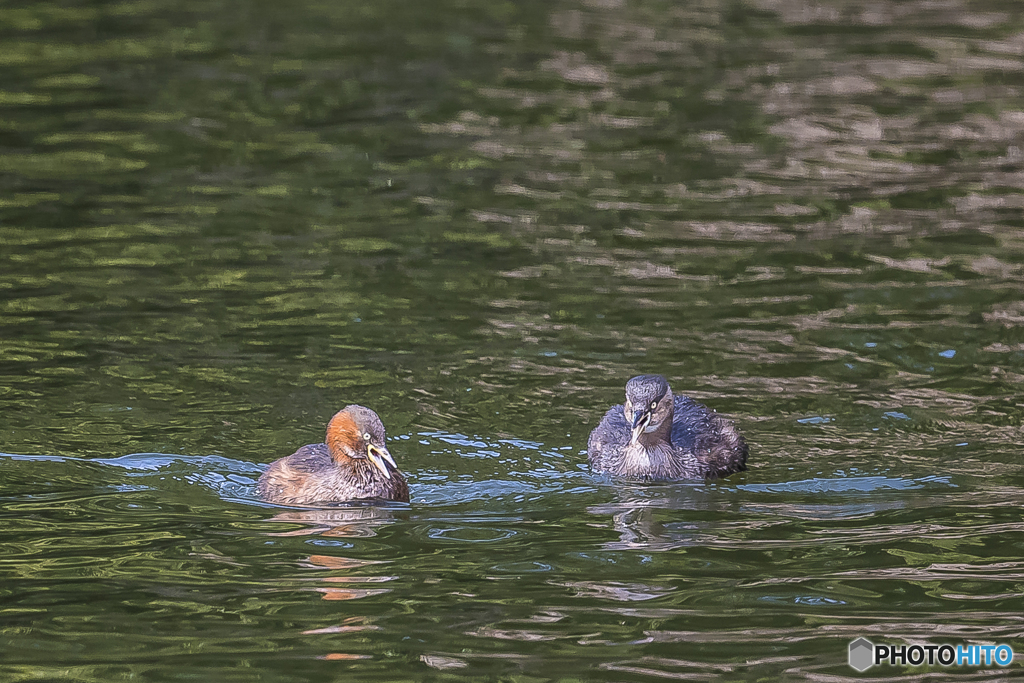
x=349, y=588
x=679, y=516
x=346, y=578
x=350, y=625
x=349, y=521
x=635, y=517
x=359, y=521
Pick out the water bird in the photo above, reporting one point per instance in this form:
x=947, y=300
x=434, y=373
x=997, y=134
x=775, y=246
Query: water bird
x=353, y=464
x=658, y=436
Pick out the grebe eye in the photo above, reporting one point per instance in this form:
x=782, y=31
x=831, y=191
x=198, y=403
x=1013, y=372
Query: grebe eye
x=366, y=436
x=654, y=404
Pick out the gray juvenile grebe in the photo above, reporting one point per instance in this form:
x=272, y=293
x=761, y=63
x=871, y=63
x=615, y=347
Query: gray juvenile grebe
x=658, y=436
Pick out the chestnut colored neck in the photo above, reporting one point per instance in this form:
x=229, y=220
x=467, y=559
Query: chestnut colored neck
x=342, y=432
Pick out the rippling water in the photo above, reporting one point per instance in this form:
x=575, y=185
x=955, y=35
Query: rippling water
x=221, y=222
x=533, y=567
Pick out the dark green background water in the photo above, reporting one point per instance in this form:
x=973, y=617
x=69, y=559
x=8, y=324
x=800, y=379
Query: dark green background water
x=220, y=222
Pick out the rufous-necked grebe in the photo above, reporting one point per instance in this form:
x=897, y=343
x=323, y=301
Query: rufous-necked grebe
x=354, y=464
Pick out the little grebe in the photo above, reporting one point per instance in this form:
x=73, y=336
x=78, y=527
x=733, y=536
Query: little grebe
x=354, y=464
x=656, y=435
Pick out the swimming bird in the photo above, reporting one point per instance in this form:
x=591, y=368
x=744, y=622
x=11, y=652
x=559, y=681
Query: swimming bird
x=658, y=436
x=353, y=464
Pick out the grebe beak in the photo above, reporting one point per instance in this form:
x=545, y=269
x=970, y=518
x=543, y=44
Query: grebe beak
x=640, y=421
x=380, y=458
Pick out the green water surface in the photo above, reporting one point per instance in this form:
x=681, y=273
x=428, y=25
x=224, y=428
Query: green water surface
x=220, y=222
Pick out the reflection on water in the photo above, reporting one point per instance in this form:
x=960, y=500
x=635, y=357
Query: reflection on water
x=634, y=515
x=621, y=592
x=643, y=518
x=626, y=572
x=343, y=522
x=221, y=223
x=350, y=589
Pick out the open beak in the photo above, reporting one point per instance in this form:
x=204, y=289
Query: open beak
x=641, y=419
x=380, y=458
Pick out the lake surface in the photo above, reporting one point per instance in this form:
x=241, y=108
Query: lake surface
x=223, y=221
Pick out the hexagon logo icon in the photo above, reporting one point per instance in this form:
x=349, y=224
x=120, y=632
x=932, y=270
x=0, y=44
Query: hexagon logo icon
x=862, y=654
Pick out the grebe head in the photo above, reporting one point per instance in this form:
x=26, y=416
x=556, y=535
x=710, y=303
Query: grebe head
x=648, y=405
x=356, y=433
